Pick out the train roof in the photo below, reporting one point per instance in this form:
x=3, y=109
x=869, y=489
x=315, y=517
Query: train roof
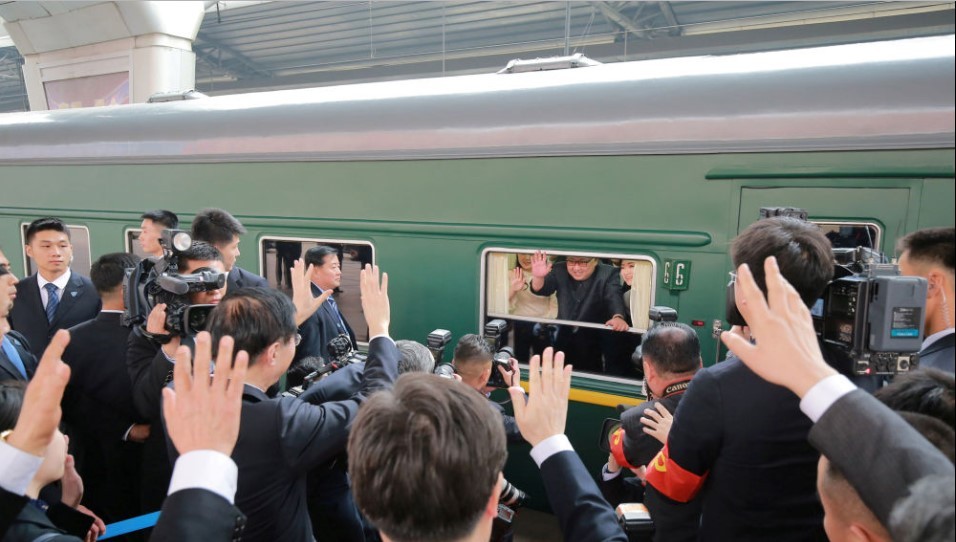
x=893, y=94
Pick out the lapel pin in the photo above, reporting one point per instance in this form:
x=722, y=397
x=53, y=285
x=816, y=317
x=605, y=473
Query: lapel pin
x=72, y=294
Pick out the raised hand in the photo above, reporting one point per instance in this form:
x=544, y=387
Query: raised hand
x=540, y=265
x=40, y=413
x=549, y=384
x=786, y=350
x=305, y=303
x=375, y=303
x=200, y=415
x=657, y=422
x=517, y=280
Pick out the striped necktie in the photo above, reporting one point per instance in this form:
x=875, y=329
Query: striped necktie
x=52, y=300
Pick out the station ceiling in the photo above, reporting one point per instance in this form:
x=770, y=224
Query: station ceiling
x=255, y=46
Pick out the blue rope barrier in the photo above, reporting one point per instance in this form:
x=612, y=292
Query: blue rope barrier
x=130, y=525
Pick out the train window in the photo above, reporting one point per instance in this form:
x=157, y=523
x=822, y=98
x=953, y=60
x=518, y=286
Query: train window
x=277, y=254
x=586, y=292
x=79, y=238
x=132, y=244
x=852, y=234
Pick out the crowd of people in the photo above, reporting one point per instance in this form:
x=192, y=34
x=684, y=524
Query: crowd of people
x=771, y=444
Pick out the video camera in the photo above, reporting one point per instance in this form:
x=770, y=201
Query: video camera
x=658, y=315
x=156, y=281
x=494, y=336
x=868, y=312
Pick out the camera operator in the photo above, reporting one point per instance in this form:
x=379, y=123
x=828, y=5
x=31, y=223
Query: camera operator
x=282, y=438
x=150, y=360
x=752, y=468
x=670, y=355
x=931, y=254
x=473, y=362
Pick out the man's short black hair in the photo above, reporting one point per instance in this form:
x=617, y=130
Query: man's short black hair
x=216, y=226
x=926, y=391
x=296, y=374
x=46, y=223
x=672, y=347
x=316, y=255
x=109, y=270
x=161, y=216
x=931, y=245
x=199, y=251
x=803, y=253
x=935, y=431
x=471, y=348
x=255, y=318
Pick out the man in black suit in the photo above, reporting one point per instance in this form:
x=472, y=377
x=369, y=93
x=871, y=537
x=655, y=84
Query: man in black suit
x=588, y=291
x=444, y=483
x=280, y=439
x=726, y=451
x=105, y=431
x=473, y=363
x=16, y=360
x=54, y=297
x=221, y=230
x=931, y=254
x=327, y=323
x=153, y=225
x=886, y=460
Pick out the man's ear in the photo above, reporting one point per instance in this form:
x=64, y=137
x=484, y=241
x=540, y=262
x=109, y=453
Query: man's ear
x=272, y=353
x=29, y=250
x=491, y=507
x=937, y=282
x=859, y=533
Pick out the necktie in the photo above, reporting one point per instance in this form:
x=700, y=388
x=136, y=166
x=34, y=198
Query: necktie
x=13, y=356
x=52, y=300
x=338, y=315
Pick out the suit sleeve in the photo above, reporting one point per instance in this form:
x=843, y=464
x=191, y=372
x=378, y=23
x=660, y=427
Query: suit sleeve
x=148, y=369
x=198, y=514
x=678, y=472
x=311, y=435
x=880, y=454
x=582, y=512
x=614, y=297
x=10, y=506
x=550, y=286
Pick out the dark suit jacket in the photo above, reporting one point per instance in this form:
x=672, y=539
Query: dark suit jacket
x=744, y=441
x=594, y=300
x=338, y=386
x=78, y=303
x=940, y=355
x=880, y=454
x=583, y=514
x=282, y=438
x=32, y=523
x=240, y=278
x=7, y=370
x=10, y=506
x=98, y=408
x=318, y=330
x=198, y=515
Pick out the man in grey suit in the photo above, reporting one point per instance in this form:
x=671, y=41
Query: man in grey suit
x=54, y=297
x=931, y=253
x=881, y=455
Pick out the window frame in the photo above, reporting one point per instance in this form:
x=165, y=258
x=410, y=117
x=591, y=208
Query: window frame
x=878, y=243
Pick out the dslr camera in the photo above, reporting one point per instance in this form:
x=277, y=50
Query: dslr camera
x=156, y=281
x=495, y=334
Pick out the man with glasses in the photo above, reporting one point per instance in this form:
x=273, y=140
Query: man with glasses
x=588, y=291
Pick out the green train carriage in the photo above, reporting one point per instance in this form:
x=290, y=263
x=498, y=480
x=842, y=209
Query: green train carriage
x=662, y=161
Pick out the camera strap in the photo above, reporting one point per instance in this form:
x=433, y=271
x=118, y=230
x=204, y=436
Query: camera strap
x=676, y=388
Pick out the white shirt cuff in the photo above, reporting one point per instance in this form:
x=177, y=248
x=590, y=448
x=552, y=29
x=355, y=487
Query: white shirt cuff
x=606, y=475
x=206, y=469
x=17, y=468
x=550, y=446
x=823, y=394
x=126, y=434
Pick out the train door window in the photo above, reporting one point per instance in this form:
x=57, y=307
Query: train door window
x=278, y=254
x=132, y=242
x=586, y=292
x=79, y=239
x=852, y=234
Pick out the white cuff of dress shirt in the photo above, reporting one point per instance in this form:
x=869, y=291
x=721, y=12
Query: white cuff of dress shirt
x=126, y=434
x=607, y=475
x=823, y=394
x=17, y=468
x=550, y=446
x=382, y=335
x=206, y=469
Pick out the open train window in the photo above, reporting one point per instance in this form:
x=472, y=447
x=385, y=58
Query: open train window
x=852, y=234
x=584, y=291
x=79, y=238
x=131, y=236
x=277, y=254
